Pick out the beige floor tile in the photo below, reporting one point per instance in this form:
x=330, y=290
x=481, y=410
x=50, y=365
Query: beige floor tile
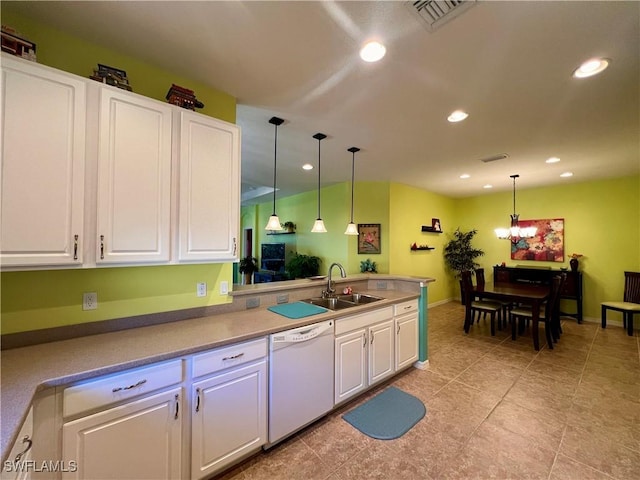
x=541, y=393
x=566, y=468
x=490, y=375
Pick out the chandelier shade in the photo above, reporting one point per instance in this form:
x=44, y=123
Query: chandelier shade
x=318, y=226
x=515, y=232
x=274, y=221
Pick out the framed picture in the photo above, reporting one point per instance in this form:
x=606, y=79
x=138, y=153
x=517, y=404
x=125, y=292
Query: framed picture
x=546, y=246
x=369, y=238
x=435, y=225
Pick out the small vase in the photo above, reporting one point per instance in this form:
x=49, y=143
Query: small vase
x=573, y=263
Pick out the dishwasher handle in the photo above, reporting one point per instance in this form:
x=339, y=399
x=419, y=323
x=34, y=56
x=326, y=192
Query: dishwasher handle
x=302, y=334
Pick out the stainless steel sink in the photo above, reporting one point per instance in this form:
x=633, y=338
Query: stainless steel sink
x=332, y=303
x=360, y=298
x=342, y=301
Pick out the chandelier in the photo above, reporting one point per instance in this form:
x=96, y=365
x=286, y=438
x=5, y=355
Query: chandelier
x=515, y=232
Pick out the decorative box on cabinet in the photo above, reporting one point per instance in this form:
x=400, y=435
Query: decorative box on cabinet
x=43, y=165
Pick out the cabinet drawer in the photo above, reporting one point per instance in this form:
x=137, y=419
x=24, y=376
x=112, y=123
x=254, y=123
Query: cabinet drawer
x=405, y=307
x=225, y=357
x=363, y=320
x=122, y=386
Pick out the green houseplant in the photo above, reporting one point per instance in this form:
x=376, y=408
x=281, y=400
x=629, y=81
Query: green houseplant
x=303, y=266
x=248, y=265
x=289, y=226
x=460, y=255
x=367, y=266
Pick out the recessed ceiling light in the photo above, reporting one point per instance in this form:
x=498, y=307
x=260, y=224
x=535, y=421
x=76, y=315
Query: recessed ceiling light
x=457, y=116
x=465, y=175
x=307, y=166
x=591, y=67
x=567, y=174
x=372, y=51
x=552, y=160
x=488, y=186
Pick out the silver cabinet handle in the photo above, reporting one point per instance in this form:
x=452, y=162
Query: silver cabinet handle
x=141, y=382
x=372, y=337
x=364, y=338
x=75, y=247
x=26, y=439
x=197, y=399
x=233, y=357
x=177, y=397
x=101, y=247
x=398, y=329
x=235, y=245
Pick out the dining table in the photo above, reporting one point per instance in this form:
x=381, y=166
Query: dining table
x=525, y=293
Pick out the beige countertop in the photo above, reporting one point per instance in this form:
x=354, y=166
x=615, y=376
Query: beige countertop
x=29, y=369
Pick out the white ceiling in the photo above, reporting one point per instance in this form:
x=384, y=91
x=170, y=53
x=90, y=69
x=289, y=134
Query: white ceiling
x=508, y=64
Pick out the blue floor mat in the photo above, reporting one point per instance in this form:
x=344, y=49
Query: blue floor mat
x=388, y=415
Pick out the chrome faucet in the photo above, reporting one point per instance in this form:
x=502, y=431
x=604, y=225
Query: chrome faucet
x=330, y=290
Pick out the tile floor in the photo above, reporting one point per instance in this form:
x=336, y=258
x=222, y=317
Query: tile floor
x=495, y=409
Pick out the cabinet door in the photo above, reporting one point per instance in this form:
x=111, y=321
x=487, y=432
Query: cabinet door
x=43, y=149
x=138, y=440
x=134, y=179
x=18, y=466
x=381, y=351
x=406, y=340
x=351, y=364
x=229, y=417
x=209, y=189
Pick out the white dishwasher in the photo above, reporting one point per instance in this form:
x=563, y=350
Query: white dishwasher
x=301, y=371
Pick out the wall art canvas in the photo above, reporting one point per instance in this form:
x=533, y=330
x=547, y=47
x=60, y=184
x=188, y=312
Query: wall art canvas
x=546, y=246
x=368, y=238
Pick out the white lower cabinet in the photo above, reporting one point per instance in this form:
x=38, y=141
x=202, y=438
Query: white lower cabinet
x=229, y=408
x=140, y=439
x=18, y=463
x=406, y=319
x=364, y=353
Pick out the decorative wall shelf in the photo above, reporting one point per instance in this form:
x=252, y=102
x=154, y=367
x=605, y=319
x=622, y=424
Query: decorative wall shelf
x=280, y=233
x=426, y=228
x=422, y=248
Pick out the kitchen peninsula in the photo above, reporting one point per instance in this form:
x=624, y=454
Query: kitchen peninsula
x=40, y=375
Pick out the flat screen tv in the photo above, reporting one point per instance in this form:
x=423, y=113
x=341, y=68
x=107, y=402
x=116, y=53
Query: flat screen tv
x=273, y=257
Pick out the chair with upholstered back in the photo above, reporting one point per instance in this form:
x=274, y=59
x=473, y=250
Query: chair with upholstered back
x=630, y=305
x=478, y=307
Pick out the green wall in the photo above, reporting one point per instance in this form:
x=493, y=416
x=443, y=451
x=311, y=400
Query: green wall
x=41, y=299
x=589, y=210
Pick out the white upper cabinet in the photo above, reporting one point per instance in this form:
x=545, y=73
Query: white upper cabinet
x=209, y=189
x=43, y=149
x=134, y=179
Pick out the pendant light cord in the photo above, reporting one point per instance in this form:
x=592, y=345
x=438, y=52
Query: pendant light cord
x=275, y=164
x=353, y=169
x=319, y=140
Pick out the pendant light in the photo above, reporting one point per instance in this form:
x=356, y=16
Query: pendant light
x=351, y=228
x=274, y=221
x=515, y=232
x=318, y=226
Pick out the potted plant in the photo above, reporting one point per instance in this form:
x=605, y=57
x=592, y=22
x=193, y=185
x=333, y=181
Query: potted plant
x=303, y=266
x=289, y=226
x=248, y=265
x=459, y=254
x=367, y=266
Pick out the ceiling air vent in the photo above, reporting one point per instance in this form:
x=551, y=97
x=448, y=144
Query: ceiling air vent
x=435, y=13
x=500, y=156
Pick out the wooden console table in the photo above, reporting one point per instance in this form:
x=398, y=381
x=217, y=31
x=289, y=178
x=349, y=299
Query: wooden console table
x=572, y=289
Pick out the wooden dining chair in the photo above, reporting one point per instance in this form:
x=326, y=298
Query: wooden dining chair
x=549, y=314
x=630, y=305
x=505, y=306
x=479, y=307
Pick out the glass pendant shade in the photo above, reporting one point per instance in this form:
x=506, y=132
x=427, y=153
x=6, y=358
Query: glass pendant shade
x=351, y=227
x=274, y=221
x=318, y=226
x=515, y=232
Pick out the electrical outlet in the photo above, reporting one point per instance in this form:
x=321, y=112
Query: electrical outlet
x=253, y=302
x=381, y=285
x=89, y=301
x=284, y=298
x=201, y=289
x=224, y=287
